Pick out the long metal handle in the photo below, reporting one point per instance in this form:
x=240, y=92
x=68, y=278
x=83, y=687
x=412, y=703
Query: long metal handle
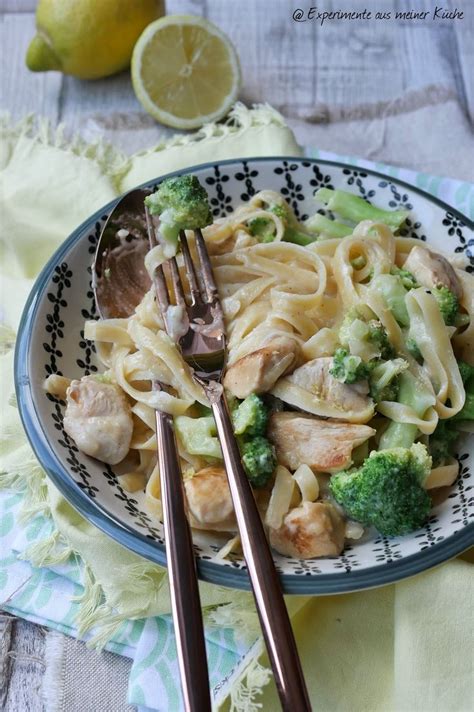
x=185, y=602
x=274, y=619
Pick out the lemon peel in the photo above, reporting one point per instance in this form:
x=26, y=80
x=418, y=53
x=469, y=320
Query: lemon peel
x=86, y=38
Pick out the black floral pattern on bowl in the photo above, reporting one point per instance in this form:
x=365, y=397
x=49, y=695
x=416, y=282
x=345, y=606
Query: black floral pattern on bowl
x=399, y=200
x=357, y=178
x=319, y=180
x=221, y=203
x=247, y=175
x=292, y=192
x=456, y=228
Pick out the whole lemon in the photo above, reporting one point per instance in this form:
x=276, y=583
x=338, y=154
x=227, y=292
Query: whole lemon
x=88, y=38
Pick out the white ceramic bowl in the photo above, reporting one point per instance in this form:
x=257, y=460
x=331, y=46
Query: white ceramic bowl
x=51, y=340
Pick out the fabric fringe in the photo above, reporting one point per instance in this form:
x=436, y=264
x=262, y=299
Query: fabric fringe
x=239, y=118
x=47, y=552
x=53, y=549
x=93, y=609
x=144, y=578
x=28, y=478
x=110, y=160
x=91, y=602
x=249, y=683
x=244, y=692
x=236, y=615
x=95, y=613
x=140, y=575
x=113, y=162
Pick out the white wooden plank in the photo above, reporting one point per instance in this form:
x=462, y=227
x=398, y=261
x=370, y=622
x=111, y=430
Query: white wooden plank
x=80, y=99
x=357, y=64
x=464, y=33
x=18, y=5
x=186, y=7
x=277, y=61
x=21, y=91
x=26, y=668
x=172, y=6
x=292, y=65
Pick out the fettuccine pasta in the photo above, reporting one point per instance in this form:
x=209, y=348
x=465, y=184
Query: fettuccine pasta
x=346, y=341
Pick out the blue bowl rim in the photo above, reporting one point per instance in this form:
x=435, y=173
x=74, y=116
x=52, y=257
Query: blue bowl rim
x=319, y=584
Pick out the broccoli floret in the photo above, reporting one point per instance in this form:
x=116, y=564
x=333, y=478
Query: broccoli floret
x=281, y=212
x=392, y=289
x=466, y=371
x=348, y=369
x=355, y=329
x=250, y=416
x=467, y=375
x=262, y=228
x=292, y=233
x=408, y=279
x=259, y=460
x=467, y=411
x=389, y=393
x=378, y=336
x=352, y=207
x=182, y=204
x=384, y=383
x=441, y=442
x=448, y=304
x=387, y=491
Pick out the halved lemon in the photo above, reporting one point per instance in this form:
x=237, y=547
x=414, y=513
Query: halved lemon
x=185, y=71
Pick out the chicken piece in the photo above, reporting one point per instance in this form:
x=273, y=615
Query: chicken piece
x=209, y=500
x=98, y=418
x=310, y=530
x=432, y=270
x=312, y=388
x=323, y=445
x=258, y=371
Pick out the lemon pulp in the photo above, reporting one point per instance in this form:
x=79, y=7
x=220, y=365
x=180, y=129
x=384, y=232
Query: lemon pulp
x=185, y=71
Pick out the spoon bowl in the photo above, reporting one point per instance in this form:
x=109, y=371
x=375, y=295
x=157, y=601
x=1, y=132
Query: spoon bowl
x=119, y=277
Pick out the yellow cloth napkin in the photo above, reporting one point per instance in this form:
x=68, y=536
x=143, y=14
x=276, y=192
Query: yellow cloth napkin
x=404, y=648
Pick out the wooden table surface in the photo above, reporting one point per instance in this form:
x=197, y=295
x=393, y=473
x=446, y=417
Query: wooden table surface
x=296, y=67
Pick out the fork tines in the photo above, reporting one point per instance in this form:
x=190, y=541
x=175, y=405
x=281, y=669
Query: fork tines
x=190, y=271
x=204, y=307
x=205, y=295
x=206, y=269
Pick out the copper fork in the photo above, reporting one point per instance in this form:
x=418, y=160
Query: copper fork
x=201, y=337
x=184, y=591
